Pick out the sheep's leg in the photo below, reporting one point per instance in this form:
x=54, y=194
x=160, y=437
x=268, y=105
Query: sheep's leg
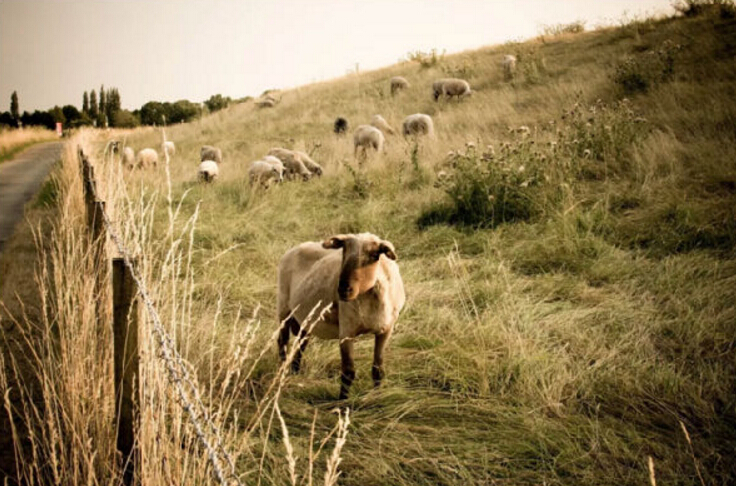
x=303, y=341
x=284, y=332
x=348, y=366
x=377, y=370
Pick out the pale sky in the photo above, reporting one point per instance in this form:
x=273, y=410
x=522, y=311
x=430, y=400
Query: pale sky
x=165, y=50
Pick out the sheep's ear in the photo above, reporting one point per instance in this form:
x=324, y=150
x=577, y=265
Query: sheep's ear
x=387, y=248
x=337, y=241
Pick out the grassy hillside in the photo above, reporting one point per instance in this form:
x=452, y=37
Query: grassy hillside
x=571, y=293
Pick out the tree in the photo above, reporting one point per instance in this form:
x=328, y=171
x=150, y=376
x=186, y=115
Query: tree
x=7, y=119
x=152, y=113
x=14, y=108
x=102, y=115
x=71, y=114
x=93, y=111
x=217, y=102
x=85, y=104
x=112, y=105
x=125, y=119
x=57, y=114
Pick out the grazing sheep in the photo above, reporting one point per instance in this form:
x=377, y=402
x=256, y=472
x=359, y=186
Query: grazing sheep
x=112, y=147
x=366, y=137
x=309, y=163
x=509, y=66
x=208, y=152
x=357, y=277
x=293, y=164
x=168, y=147
x=208, y=170
x=341, y=126
x=450, y=87
x=398, y=83
x=265, y=171
x=146, y=157
x=128, y=157
x=275, y=161
x=380, y=122
x=418, y=124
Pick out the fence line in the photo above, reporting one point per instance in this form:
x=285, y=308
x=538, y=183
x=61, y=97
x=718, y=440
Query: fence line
x=178, y=375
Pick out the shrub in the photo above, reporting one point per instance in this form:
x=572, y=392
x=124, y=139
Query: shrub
x=639, y=73
x=695, y=8
x=558, y=29
x=426, y=59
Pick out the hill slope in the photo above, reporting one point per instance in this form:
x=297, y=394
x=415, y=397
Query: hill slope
x=570, y=301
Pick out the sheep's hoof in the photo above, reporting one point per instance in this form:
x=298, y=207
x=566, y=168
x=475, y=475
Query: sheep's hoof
x=295, y=367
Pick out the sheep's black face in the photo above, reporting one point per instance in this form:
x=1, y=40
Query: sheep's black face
x=360, y=256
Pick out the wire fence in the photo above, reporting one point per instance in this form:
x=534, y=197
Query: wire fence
x=177, y=372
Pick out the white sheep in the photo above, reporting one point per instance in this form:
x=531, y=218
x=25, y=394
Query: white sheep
x=168, y=147
x=208, y=152
x=208, y=170
x=266, y=171
x=509, y=66
x=146, y=157
x=418, y=124
x=380, y=122
x=128, y=157
x=450, y=87
x=398, y=83
x=354, y=276
x=309, y=163
x=366, y=137
x=293, y=164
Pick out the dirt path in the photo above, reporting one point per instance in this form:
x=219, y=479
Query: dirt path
x=20, y=179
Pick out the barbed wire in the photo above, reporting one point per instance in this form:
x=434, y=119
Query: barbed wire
x=177, y=371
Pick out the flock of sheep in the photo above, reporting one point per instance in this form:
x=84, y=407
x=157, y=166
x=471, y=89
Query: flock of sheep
x=350, y=282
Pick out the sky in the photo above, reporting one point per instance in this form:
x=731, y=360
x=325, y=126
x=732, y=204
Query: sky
x=165, y=50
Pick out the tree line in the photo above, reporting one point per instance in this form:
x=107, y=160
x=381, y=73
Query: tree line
x=105, y=111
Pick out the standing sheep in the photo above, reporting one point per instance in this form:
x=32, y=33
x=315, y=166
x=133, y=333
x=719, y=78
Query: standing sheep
x=450, y=87
x=418, y=124
x=208, y=152
x=168, y=147
x=340, y=126
x=366, y=137
x=292, y=163
x=208, y=170
x=509, y=66
x=265, y=171
x=146, y=158
x=357, y=278
x=380, y=122
x=128, y=157
x=398, y=83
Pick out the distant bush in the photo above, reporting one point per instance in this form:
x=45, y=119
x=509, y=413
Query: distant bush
x=694, y=8
x=558, y=29
x=426, y=59
x=462, y=70
x=639, y=73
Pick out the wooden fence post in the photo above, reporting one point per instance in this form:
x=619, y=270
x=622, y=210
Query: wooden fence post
x=126, y=361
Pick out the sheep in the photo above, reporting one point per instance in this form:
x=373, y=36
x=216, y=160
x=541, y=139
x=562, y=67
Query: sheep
x=509, y=66
x=275, y=161
x=366, y=137
x=168, y=147
x=380, y=122
x=309, y=163
x=292, y=163
x=128, y=157
x=357, y=278
x=398, y=83
x=208, y=152
x=266, y=103
x=450, y=87
x=208, y=170
x=146, y=157
x=340, y=126
x=418, y=124
x=264, y=171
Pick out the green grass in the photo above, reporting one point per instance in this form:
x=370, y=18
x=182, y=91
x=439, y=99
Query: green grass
x=563, y=346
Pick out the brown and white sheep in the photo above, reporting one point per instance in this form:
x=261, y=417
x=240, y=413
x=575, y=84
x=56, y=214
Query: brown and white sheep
x=208, y=170
x=509, y=66
x=398, y=83
x=208, y=152
x=367, y=136
x=266, y=171
x=357, y=278
x=450, y=87
x=418, y=124
x=293, y=164
x=380, y=122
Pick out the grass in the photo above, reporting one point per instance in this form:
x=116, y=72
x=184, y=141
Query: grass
x=590, y=340
x=15, y=141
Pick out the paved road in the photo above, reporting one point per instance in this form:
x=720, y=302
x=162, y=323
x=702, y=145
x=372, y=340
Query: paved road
x=20, y=179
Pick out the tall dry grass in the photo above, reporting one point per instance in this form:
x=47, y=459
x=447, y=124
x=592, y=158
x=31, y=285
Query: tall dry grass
x=13, y=141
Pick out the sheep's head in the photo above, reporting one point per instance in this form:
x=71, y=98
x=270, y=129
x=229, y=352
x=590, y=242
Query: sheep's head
x=360, y=257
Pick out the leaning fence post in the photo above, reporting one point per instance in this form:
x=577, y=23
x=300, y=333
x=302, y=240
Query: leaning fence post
x=126, y=360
